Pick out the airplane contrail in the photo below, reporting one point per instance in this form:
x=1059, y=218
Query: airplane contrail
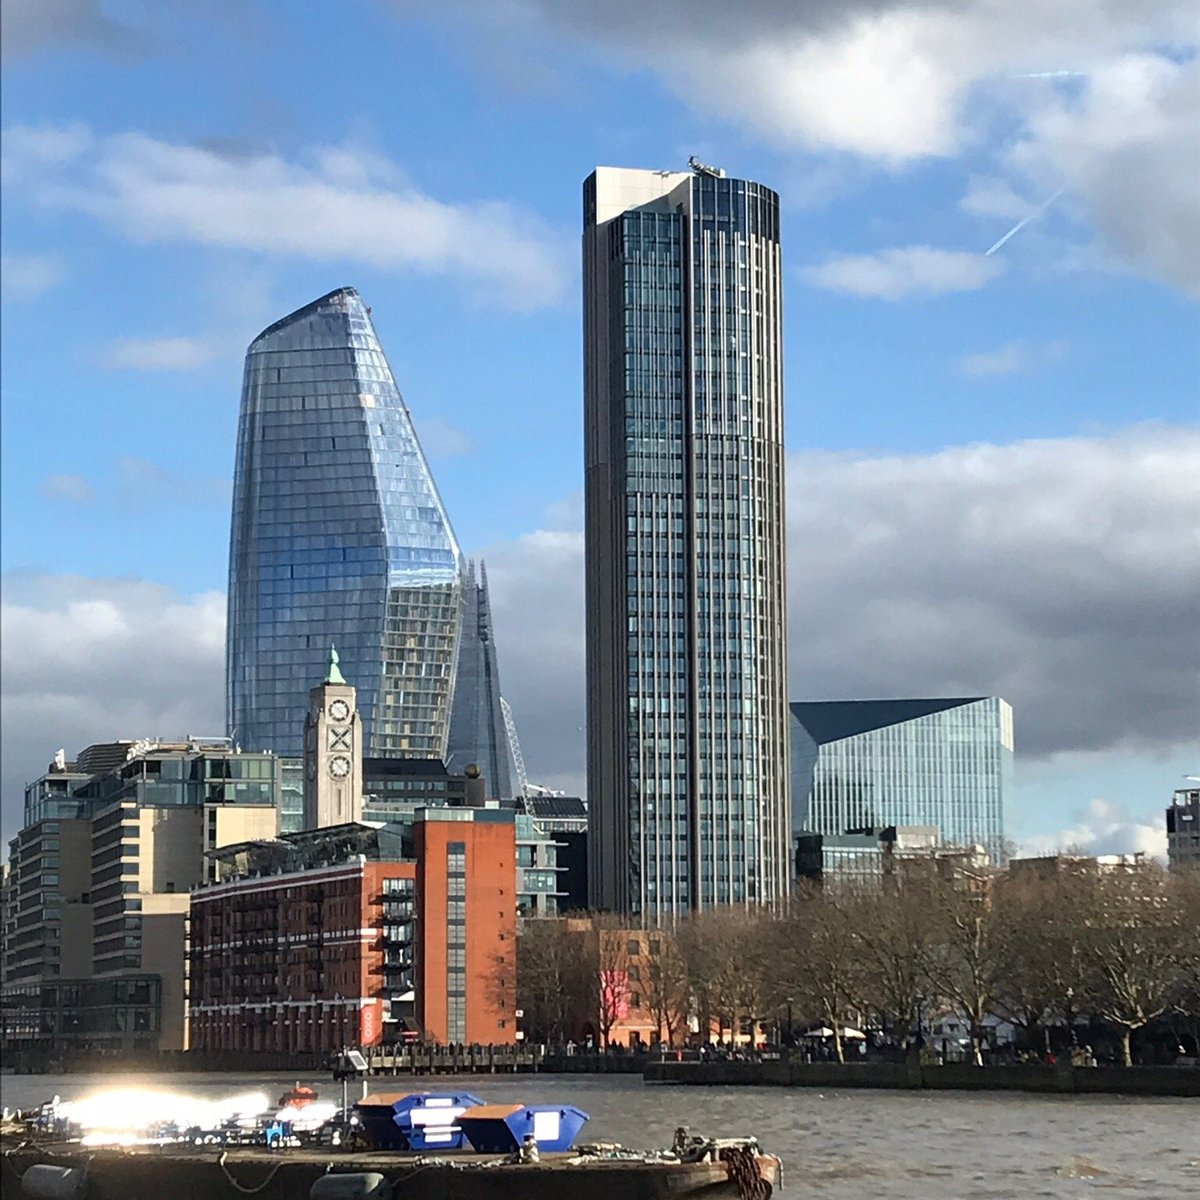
x=1050, y=75
x=1037, y=212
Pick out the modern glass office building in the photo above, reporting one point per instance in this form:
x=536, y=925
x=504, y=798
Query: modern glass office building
x=339, y=537
x=868, y=764
x=683, y=427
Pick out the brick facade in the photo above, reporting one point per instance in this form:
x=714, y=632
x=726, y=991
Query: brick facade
x=361, y=952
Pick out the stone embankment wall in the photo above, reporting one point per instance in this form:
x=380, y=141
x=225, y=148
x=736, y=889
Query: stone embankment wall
x=1063, y=1078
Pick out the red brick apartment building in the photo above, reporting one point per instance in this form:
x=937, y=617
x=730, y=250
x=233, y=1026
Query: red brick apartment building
x=354, y=935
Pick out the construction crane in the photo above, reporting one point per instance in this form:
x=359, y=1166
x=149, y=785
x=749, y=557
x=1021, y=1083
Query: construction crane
x=514, y=745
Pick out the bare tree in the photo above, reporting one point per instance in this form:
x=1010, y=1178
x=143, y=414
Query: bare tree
x=613, y=944
x=665, y=985
x=969, y=952
x=1040, y=973
x=1134, y=949
x=894, y=933
x=1184, y=896
x=556, y=984
x=819, y=955
x=721, y=953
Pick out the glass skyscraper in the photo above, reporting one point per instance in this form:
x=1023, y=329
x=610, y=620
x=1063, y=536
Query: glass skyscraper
x=339, y=538
x=477, y=730
x=870, y=764
x=687, y=698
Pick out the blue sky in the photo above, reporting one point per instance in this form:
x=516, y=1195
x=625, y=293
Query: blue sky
x=178, y=175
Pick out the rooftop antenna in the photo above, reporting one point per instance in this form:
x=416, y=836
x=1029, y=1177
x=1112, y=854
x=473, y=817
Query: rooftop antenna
x=703, y=168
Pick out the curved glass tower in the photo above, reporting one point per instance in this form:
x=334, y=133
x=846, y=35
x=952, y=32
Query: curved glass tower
x=339, y=538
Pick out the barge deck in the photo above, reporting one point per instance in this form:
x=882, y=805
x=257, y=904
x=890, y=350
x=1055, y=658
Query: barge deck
x=190, y=1173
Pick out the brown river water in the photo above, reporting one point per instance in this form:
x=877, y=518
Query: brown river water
x=836, y=1145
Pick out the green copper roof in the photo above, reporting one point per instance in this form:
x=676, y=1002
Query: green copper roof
x=335, y=674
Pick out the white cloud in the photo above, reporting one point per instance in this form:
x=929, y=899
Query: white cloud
x=1102, y=828
x=907, y=271
x=888, y=79
x=241, y=299
x=1096, y=95
x=159, y=354
x=335, y=204
x=26, y=275
x=1009, y=359
x=1128, y=149
x=988, y=196
x=68, y=487
x=87, y=660
x=1061, y=574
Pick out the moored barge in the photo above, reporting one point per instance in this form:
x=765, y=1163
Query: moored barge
x=180, y=1172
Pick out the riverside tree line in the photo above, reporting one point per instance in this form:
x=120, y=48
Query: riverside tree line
x=1045, y=951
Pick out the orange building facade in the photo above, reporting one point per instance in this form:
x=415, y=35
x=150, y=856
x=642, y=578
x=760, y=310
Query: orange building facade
x=624, y=1008
x=467, y=926
x=365, y=951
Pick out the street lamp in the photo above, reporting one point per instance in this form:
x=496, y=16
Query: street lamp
x=1071, y=1016
x=791, y=1039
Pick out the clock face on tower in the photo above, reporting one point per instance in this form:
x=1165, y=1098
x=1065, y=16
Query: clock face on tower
x=339, y=766
x=339, y=710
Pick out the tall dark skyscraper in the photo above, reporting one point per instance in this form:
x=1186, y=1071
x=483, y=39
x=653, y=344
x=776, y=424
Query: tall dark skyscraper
x=477, y=731
x=686, y=658
x=339, y=538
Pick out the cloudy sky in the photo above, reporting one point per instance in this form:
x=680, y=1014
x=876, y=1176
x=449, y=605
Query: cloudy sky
x=994, y=445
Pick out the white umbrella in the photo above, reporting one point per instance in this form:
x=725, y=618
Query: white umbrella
x=823, y=1032
x=826, y=1032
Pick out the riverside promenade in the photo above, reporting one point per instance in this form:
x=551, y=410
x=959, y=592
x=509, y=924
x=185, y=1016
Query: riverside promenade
x=1061, y=1078
x=400, y=1060
x=655, y=1068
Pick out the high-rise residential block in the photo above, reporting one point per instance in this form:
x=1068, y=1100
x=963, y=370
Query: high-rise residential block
x=339, y=536
x=868, y=764
x=683, y=428
x=111, y=846
x=359, y=935
x=1183, y=830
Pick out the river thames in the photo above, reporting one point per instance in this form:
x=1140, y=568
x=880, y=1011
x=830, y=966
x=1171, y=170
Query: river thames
x=838, y=1145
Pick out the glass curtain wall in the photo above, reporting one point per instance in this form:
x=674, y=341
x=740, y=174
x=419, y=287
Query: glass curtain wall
x=477, y=730
x=875, y=765
x=339, y=537
x=687, y=726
